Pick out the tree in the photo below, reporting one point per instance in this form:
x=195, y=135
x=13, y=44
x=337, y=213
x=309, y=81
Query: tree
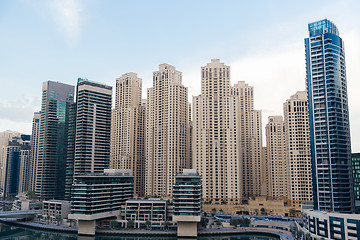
x=245, y=222
x=218, y=223
x=166, y=225
x=292, y=212
x=47, y=218
x=204, y=222
x=58, y=219
x=31, y=195
x=147, y=224
x=39, y=216
x=234, y=222
x=112, y=224
x=263, y=211
x=71, y=222
x=205, y=214
x=7, y=207
x=213, y=211
x=130, y=224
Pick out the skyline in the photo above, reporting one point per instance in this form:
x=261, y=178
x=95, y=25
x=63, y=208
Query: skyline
x=71, y=39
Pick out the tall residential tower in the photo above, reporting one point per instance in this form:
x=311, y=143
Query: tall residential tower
x=277, y=164
x=167, y=140
x=328, y=119
x=128, y=130
x=89, y=138
x=226, y=137
x=297, y=143
x=57, y=99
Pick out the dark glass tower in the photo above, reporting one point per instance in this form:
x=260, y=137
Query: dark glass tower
x=328, y=119
x=356, y=175
x=57, y=102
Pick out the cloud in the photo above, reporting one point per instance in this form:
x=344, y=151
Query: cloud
x=66, y=14
x=19, y=109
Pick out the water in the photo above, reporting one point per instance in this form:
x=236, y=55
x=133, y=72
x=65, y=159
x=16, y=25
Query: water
x=8, y=232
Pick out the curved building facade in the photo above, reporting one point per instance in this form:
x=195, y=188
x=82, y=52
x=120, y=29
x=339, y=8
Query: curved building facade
x=328, y=119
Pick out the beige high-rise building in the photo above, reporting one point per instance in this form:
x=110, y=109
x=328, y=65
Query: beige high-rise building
x=227, y=139
x=128, y=130
x=167, y=140
x=276, y=157
x=297, y=142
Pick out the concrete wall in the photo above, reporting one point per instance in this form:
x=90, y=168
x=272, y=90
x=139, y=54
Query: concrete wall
x=187, y=229
x=86, y=227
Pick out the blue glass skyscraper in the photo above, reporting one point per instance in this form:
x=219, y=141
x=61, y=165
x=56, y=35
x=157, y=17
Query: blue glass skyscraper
x=328, y=119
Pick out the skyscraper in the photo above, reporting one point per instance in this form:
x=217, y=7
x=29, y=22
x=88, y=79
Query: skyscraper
x=167, y=143
x=276, y=157
x=328, y=119
x=226, y=137
x=18, y=150
x=25, y=164
x=93, y=123
x=57, y=99
x=297, y=143
x=34, y=149
x=128, y=130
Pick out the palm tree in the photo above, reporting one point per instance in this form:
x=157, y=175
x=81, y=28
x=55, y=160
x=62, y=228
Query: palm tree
x=112, y=224
x=58, y=219
x=292, y=212
x=234, y=222
x=218, y=223
x=213, y=211
x=130, y=224
x=166, y=225
x=39, y=216
x=263, y=211
x=147, y=224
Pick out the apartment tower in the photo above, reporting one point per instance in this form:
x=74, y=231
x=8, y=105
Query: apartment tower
x=34, y=149
x=93, y=123
x=276, y=157
x=128, y=130
x=328, y=119
x=57, y=99
x=226, y=137
x=297, y=142
x=167, y=123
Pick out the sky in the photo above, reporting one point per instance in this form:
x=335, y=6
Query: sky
x=262, y=42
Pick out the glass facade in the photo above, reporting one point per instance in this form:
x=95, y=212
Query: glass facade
x=57, y=103
x=355, y=158
x=187, y=195
x=100, y=193
x=328, y=119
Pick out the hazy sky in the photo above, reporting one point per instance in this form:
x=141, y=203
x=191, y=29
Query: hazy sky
x=262, y=41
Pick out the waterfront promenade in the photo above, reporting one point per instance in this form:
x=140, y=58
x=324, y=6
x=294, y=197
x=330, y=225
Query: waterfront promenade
x=283, y=235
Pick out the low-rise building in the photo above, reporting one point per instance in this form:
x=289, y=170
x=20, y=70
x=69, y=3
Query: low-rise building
x=23, y=203
x=330, y=225
x=260, y=206
x=187, y=199
x=97, y=196
x=142, y=211
x=57, y=210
